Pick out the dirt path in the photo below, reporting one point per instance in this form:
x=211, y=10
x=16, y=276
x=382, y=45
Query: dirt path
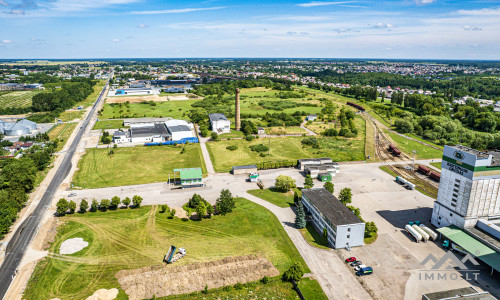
x=206, y=157
x=309, y=131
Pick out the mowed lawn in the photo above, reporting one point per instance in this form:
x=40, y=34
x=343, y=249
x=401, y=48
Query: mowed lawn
x=407, y=145
x=274, y=197
x=286, y=148
x=174, y=109
x=135, y=238
x=17, y=98
x=109, y=124
x=134, y=165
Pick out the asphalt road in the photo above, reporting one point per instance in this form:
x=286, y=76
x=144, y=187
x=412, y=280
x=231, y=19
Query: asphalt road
x=19, y=242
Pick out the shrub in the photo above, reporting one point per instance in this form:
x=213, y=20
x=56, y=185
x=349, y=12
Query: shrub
x=311, y=141
x=249, y=138
x=294, y=273
x=232, y=147
x=259, y=148
x=265, y=280
x=239, y=286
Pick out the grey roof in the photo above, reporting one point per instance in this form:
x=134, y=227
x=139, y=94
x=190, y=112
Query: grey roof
x=157, y=129
x=217, y=117
x=260, y=128
x=461, y=293
x=178, y=128
x=119, y=133
x=27, y=123
x=244, y=167
x=331, y=208
x=314, y=159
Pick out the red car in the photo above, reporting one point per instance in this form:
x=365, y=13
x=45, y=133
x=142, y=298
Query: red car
x=350, y=259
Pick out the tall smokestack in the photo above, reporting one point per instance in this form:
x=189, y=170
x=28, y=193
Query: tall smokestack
x=237, y=108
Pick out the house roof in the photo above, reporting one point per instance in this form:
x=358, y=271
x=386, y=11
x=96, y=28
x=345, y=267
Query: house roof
x=330, y=207
x=472, y=245
x=217, y=117
x=189, y=173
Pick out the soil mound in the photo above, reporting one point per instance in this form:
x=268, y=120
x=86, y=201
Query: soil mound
x=174, y=280
x=104, y=294
x=71, y=246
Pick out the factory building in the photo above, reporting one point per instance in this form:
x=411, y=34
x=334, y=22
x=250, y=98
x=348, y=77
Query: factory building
x=19, y=128
x=325, y=211
x=155, y=131
x=219, y=123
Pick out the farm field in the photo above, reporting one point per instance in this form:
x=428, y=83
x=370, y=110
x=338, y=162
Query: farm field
x=17, y=98
x=128, y=239
x=287, y=148
x=134, y=165
x=62, y=133
x=173, y=109
x=274, y=197
x=407, y=145
x=109, y=124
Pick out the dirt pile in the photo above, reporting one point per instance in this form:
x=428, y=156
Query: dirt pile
x=164, y=281
x=72, y=246
x=104, y=294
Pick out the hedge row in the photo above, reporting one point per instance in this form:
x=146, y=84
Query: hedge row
x=276, y=164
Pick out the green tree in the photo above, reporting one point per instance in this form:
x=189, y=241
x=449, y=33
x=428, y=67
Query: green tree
x=370, y=229
x=294, y=273
x=284, y=183
x=214, y=136
x=126, y=202
x=19, y=174
x=137, y=200
x=84, y=205
x=329, y=186
x=308, y=183
x=300, y=218
x=225, y=203
x=163, y=208
x=104, y=205
x=72, y=206
x=201, y=210
x=345, y=196
x=210, y=210
x=172, y=214
x=94, y=206
x=115, y=201
x=62, y=207
x=195, y=200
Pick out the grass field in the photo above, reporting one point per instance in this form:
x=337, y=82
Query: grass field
x=109, y=124
x=62, y=133
x=286, y=148
x=231, y=135
x=285, y=130
x=134, y=165
x=274, y=197
x=407, y=145
x=173, y=109
x=313, y=237
x=311, y=289
x=17, y=98
x=134, y=238
x=436, y=164
x=70, y=115
x=89, y=101
x=319, y=127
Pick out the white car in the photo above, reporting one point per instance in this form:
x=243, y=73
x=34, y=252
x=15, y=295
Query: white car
x=357, y=268
x=72, y=195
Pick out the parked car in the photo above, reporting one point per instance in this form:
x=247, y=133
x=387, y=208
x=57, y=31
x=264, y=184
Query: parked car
x=356, y=263
x=350, y=259
x=359, y=267
x=364, y=271
x=72, y=195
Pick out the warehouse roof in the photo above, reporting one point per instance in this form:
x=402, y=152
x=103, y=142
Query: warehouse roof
x=471, y=245
x=156, y=129
x=331, y=208
x=461, y=293
x=178, y=128
x=217, y=117
x=189, y=173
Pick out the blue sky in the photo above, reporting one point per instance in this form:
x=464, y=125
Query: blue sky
x=420, y=29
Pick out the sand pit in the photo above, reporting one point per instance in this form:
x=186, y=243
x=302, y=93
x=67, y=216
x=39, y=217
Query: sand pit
x=72, y=246
x=155, y=98
x=174, y=280
x=104, y=294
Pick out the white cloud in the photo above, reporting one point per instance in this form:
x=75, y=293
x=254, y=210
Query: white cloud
x=142, y=26
x=115, y=40
x=84, y=5
x=6, y=41
x=480, y=12
x=175, y=11
x=319, y=3
x=472, y=28
x=297, y=33
x=383, y=25
x=3, y=3
x=423, y=2
x=15, y=12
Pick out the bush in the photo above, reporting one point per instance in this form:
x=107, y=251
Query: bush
x=294, y=273
x=249, y=138
x=232, y=147
x=239, y=286
x=259, y=148
x=311, y=141
x=265, y=280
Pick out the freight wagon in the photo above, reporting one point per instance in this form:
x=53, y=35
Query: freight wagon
x=423, y=170
x=435, y=176
x=359, y=107
x=395, y=151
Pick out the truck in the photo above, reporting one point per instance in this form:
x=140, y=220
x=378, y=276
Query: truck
x=410, y=186
x=413, y=233
x=425, y=236
x=430, y=232
x=171, y=256
x=253, y=177
x=458, y=249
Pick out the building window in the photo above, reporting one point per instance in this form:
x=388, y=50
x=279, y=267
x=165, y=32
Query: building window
x=439, y=223
x=455, y=190
x=348, y=229
x=454, y=200
x=454, y=205
x=348, y=236
x=455, y=195
x=457, y=186
x=457, y=180
x=451, y=215
x=439, y=218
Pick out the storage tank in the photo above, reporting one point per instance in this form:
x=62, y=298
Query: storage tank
x=27, y=123
x=430, y=232
x=17, y=129
x=424, y=234
x=413, y=232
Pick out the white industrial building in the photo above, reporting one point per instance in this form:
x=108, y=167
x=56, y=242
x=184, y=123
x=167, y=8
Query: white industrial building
x=469, y=188
x=219, y=123
x=154, y=131
x=18, y=128
x=325, y=211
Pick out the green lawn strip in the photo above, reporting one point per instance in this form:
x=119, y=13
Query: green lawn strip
x=436, y=164
x=422, y=140
x=135, y=165
x=286, y=148
x=128, y=239
x=62, y=132
x=371, y=239
x=407, y=145
x=370, y=141
x=93, y=97
x=67, y=116
x=274, y=197
x=313, y=237
x=311, y=290
x=109, y=124
x=389, y=171
x=232, y=134
x=174, y=109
